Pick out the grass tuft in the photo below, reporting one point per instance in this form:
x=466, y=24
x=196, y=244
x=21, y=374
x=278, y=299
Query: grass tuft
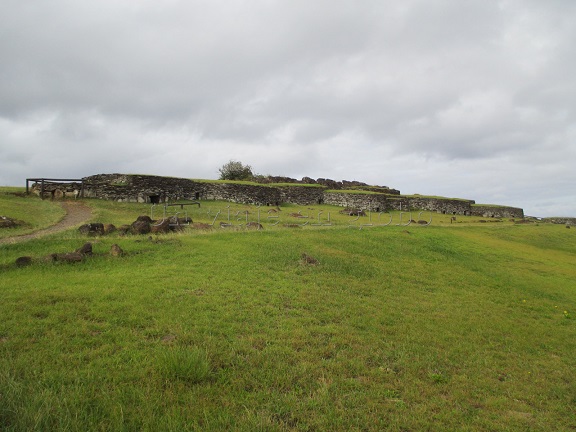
x=184, y=363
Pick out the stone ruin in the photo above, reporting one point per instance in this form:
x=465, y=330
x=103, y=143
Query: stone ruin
x=269, y=191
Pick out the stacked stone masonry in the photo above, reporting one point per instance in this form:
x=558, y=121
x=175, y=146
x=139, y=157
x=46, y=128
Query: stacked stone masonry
x=157, y=189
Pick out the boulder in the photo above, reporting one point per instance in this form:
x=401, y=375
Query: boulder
x=140, y=227
x=160, y=227
x=71, y=257
x=86, y=249
x=254, y=225
x=116, y=251
x=309, y=260
x=144, y=218
x=124, y=229
x=109, y=228
x=92, y=229
x=352, y=212
x=6, y=222
x=23, y=261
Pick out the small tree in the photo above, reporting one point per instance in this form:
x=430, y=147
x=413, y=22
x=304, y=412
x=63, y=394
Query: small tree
x=235, y=170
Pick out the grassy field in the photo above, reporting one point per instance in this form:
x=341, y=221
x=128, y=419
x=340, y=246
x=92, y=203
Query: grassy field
x=34, y=212
x=465, y=326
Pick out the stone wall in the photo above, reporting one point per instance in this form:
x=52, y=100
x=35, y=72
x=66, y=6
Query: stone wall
x=301, y=195
x=140, y=188
x=494, y=211
x=57, y=190
x=157, y=189
x=560, y=220
x=372, y=202
x=241, y=193
x=438, y=205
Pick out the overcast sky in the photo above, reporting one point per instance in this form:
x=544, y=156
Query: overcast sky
x=460, y=98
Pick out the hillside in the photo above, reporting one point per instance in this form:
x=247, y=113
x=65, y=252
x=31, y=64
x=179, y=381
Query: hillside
x=453, y=326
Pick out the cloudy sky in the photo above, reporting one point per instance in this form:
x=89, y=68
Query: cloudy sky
x=460, y=98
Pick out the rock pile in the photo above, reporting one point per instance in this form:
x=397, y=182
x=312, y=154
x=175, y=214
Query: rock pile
x=6, y=222
x=76, y=256
x=142, y=225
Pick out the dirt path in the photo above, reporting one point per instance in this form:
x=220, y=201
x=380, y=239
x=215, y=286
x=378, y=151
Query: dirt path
x=76, y=214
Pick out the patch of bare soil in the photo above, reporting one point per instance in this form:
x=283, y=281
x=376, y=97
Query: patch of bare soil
x=77, y=213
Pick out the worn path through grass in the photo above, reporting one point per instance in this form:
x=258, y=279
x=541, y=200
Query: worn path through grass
x=76, y=214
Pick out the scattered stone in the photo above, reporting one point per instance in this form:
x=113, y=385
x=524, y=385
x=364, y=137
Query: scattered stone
x=254, y=225
x=6, y=222
x=58, y=194
x=124, y=229
x=71, y=257
x=50, y=258
x=140, y=227
x=160, y=227
x=23, y=261
x=116, y=251
x=92, y=229
x=86, y=249
x=144, y=218
x=309, y=260
x=352, y=212
x=109, y=228
x=177, y=224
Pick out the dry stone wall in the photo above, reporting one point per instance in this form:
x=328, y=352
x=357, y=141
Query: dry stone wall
x=438, y=205
x=560, y=220
x=372, y=202
x=157, y=189
x=241, y=193
x=493, y=211
x=140, y=188
x=302, y=195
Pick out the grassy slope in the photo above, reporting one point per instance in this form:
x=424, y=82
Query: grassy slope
x=399, y=328
x=36, y=213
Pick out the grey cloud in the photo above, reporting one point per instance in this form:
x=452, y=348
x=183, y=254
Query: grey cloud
x=319, y=88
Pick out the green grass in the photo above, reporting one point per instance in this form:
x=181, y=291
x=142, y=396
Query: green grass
x=312, y=185
x=449, y=327
x=353, y=191
x=433, y=197
x=34, y=212
x=239, y=182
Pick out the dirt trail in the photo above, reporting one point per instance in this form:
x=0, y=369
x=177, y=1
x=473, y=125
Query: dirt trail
x=76, y=214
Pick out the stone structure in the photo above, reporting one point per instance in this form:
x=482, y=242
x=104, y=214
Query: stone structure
x=157, y=189
x=560, y=220
x=495, y=211
x=451, y=206
x=363, y=201
x=56, y=188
